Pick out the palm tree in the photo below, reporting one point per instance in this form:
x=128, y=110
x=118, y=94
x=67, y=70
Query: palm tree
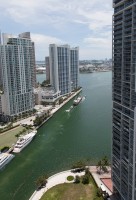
x=105, y=164
x=99, y=166
x=106, y=161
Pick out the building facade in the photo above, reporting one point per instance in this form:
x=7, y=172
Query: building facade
x=17, y=66
x=124, y=100
x=47, y=63
x=63, y=68
x=74, y=67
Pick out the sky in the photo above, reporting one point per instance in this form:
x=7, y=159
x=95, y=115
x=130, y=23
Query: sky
x=83, y=23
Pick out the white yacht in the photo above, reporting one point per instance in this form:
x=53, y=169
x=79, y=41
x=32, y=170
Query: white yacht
x=23, y=141
x=77, y=101
x=5, y=158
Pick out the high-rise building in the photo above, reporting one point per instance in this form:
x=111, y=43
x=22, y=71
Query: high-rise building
x=64, y=64
x=17, y=67
x=74, y=67
x=124, y=100
x=47, y=63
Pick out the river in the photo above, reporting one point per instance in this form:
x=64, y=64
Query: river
x=84, y=133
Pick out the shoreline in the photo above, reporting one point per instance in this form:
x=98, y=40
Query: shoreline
x=53, y=111
x=61, y=177
x=58, y=107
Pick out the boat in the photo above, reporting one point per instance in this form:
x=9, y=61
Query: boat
x=5, y=158
x=23, y=141
x=77, y=101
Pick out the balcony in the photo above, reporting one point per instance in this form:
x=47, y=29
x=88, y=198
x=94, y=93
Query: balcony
x=126, y=29
x=117, y=1
x=119, y=8
x=128, y=3
x=128, y=18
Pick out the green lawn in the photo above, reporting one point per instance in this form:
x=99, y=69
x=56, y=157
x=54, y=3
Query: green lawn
x=8, y=138
x=72, y=191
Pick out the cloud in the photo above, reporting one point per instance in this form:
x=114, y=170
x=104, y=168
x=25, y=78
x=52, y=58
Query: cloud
x=34, y=11
x=42, y=44
x=82, y=22
x=98, y=42
x=94, y=53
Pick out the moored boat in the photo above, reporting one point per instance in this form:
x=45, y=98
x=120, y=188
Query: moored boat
x=23, y=141
x=77, y=101
x=5, y=158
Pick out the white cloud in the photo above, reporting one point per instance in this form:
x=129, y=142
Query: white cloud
x=98, y=42
x=96, y=48
x=34, y=11
x=42, y=43
x=58, y=17
x=93, y=53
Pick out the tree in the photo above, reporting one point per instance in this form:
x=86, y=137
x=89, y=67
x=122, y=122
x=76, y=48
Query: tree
x=41, y=181
x=60, y=101
x=85, y=179
x=106, y=161
x=99, y=166
x=103, y=164
x=45, y=83
x=99, y=192
x=87, y=172
x=79, y=164
x=77, y=179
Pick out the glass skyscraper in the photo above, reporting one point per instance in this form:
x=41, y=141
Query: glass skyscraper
x=124, y=100
x=64, y=66
x=17, y=67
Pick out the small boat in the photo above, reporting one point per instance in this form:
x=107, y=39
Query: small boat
x=5, y=158
x=77, y=101
x=23, y=141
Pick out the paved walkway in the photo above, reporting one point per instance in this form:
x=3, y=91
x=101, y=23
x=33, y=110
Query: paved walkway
x=29, y=120
x=57, y=107
x=62, y=178
x=54, y=180
x=97, y=177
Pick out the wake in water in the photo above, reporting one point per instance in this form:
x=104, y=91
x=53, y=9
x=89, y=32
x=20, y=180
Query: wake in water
x=83, y=98
x=69, y=109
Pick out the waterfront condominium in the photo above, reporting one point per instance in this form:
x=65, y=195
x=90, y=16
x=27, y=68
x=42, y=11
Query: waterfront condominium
x=17, y=79
x=47, y=64
x=124, y=100
x=64, y=62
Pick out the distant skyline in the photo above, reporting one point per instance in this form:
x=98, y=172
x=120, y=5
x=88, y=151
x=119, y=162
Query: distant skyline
x=87, y=24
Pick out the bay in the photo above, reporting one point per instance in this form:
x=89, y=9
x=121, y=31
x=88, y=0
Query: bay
x=84, y=133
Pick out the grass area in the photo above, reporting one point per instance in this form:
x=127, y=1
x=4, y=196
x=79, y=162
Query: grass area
x=70, y=178
x=68, y=191
x=8, y=138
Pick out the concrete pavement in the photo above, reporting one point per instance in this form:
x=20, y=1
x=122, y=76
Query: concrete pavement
x=61, y=177
x=55, y=180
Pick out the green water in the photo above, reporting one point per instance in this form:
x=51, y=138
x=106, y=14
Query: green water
x=83, y=133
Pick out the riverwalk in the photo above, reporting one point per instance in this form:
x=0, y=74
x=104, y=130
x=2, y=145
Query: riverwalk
x=54, y=180
x=57, y=107
x=61, y=178
x=29, y=120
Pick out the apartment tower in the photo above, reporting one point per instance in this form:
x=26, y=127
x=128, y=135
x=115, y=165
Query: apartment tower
x=124, y=100
x=64, y=62
x=17, y=67
x=47, y=63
